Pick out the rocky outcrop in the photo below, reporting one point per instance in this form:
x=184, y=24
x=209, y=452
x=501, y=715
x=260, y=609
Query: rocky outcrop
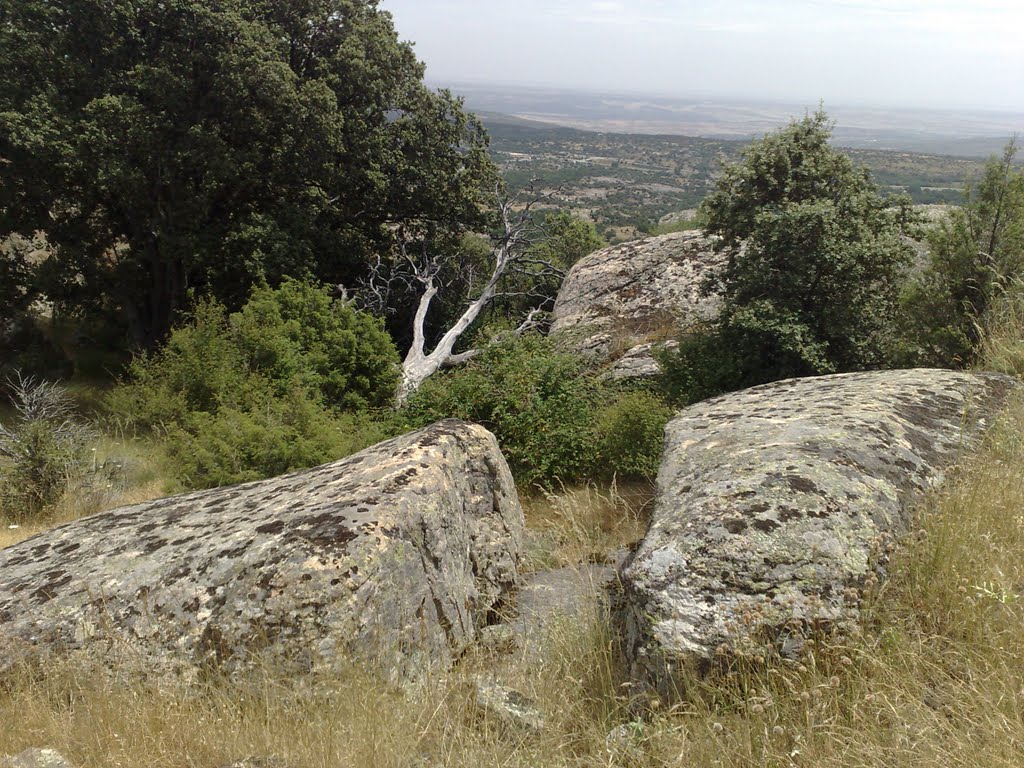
x=615, y=303
x=772, y=503
x=397, y=554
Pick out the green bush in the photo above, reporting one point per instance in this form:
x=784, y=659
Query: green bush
x=631, y=430
x=42, y=450
x=263, y=391
x=537, y=401
x=815, y=259
x=975, y=255
x=555, y=421
x=236, y=446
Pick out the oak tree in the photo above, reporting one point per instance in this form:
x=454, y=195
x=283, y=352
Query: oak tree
x=176, y=146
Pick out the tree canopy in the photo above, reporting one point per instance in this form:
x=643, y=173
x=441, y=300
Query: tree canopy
x=976, y=252
x=174, y=145
x=814, y=257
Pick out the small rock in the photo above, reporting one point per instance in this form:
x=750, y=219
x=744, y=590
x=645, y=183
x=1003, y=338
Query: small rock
x=258, y=762
x=507, y=706
x=620, y=738
x=35, y=758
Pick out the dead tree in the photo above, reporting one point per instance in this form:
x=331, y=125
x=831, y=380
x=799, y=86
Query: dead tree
x=509, y=255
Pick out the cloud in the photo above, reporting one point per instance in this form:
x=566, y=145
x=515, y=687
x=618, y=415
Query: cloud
x=607, y=6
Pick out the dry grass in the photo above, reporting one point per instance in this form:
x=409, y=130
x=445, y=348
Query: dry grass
x=121, y=471
x=934, y=678
x=584, y=524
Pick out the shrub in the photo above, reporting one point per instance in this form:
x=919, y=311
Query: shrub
x=43, y=449
x=263, y=391
x=288, y=433
x=976, y=254
x=538, y=402
x=631, y=430
x=815, y=254
x=555, y=420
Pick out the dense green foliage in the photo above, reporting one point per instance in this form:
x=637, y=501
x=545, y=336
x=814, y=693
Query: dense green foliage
x=567, y=239
x=975, y=254
x=814, y=259
x=42, y=449
x=555, y=421
x=15, y=276
x=283, y=383
x=192, y=144
x=631, y=434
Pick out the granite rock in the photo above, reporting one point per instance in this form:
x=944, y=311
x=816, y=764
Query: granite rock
x=617, y=303
x=397, y=555
x=774, y=503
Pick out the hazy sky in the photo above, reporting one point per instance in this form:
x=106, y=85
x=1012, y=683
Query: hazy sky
x=909, y=52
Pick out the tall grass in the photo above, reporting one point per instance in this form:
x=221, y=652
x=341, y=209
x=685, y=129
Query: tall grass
x=120, y=470
x=934, y=678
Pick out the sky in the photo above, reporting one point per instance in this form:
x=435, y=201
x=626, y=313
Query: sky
x=916, y=53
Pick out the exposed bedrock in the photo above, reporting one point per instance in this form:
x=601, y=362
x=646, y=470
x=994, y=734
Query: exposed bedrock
x=772, y=503
x=617, y=303
x=397, y=555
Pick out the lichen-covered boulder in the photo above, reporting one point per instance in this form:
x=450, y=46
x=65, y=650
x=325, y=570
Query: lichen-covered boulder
x=397, y=555
x=617, y=302
x=772, y=503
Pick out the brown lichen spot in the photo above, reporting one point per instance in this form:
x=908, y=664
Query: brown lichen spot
x=46, y=592
x=181, y=572
x=275, y=526
x=238, y=551
x=736, y=525
x=758, y=508
x=401, y=480
x=329, y=529
x=766, y=524
x=801, y=484
x=789, y=513
x=149, y=546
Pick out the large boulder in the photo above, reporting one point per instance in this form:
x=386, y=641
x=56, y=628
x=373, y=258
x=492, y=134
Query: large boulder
x=398, y=555
x=617, y=303
x=772, y=504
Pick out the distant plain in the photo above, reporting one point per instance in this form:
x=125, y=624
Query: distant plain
x=965, y=133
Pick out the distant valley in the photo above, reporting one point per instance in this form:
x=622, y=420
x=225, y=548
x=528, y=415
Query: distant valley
x=967, y=133
x=632, y=184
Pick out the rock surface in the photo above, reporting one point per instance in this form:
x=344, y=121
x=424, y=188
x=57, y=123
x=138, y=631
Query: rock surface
x=772, y=502
x=35, y=758
x=397, y=554
x=615, y=303
x=548, y=599
x=507, y=706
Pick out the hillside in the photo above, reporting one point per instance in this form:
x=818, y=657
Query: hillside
x=628, y=183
